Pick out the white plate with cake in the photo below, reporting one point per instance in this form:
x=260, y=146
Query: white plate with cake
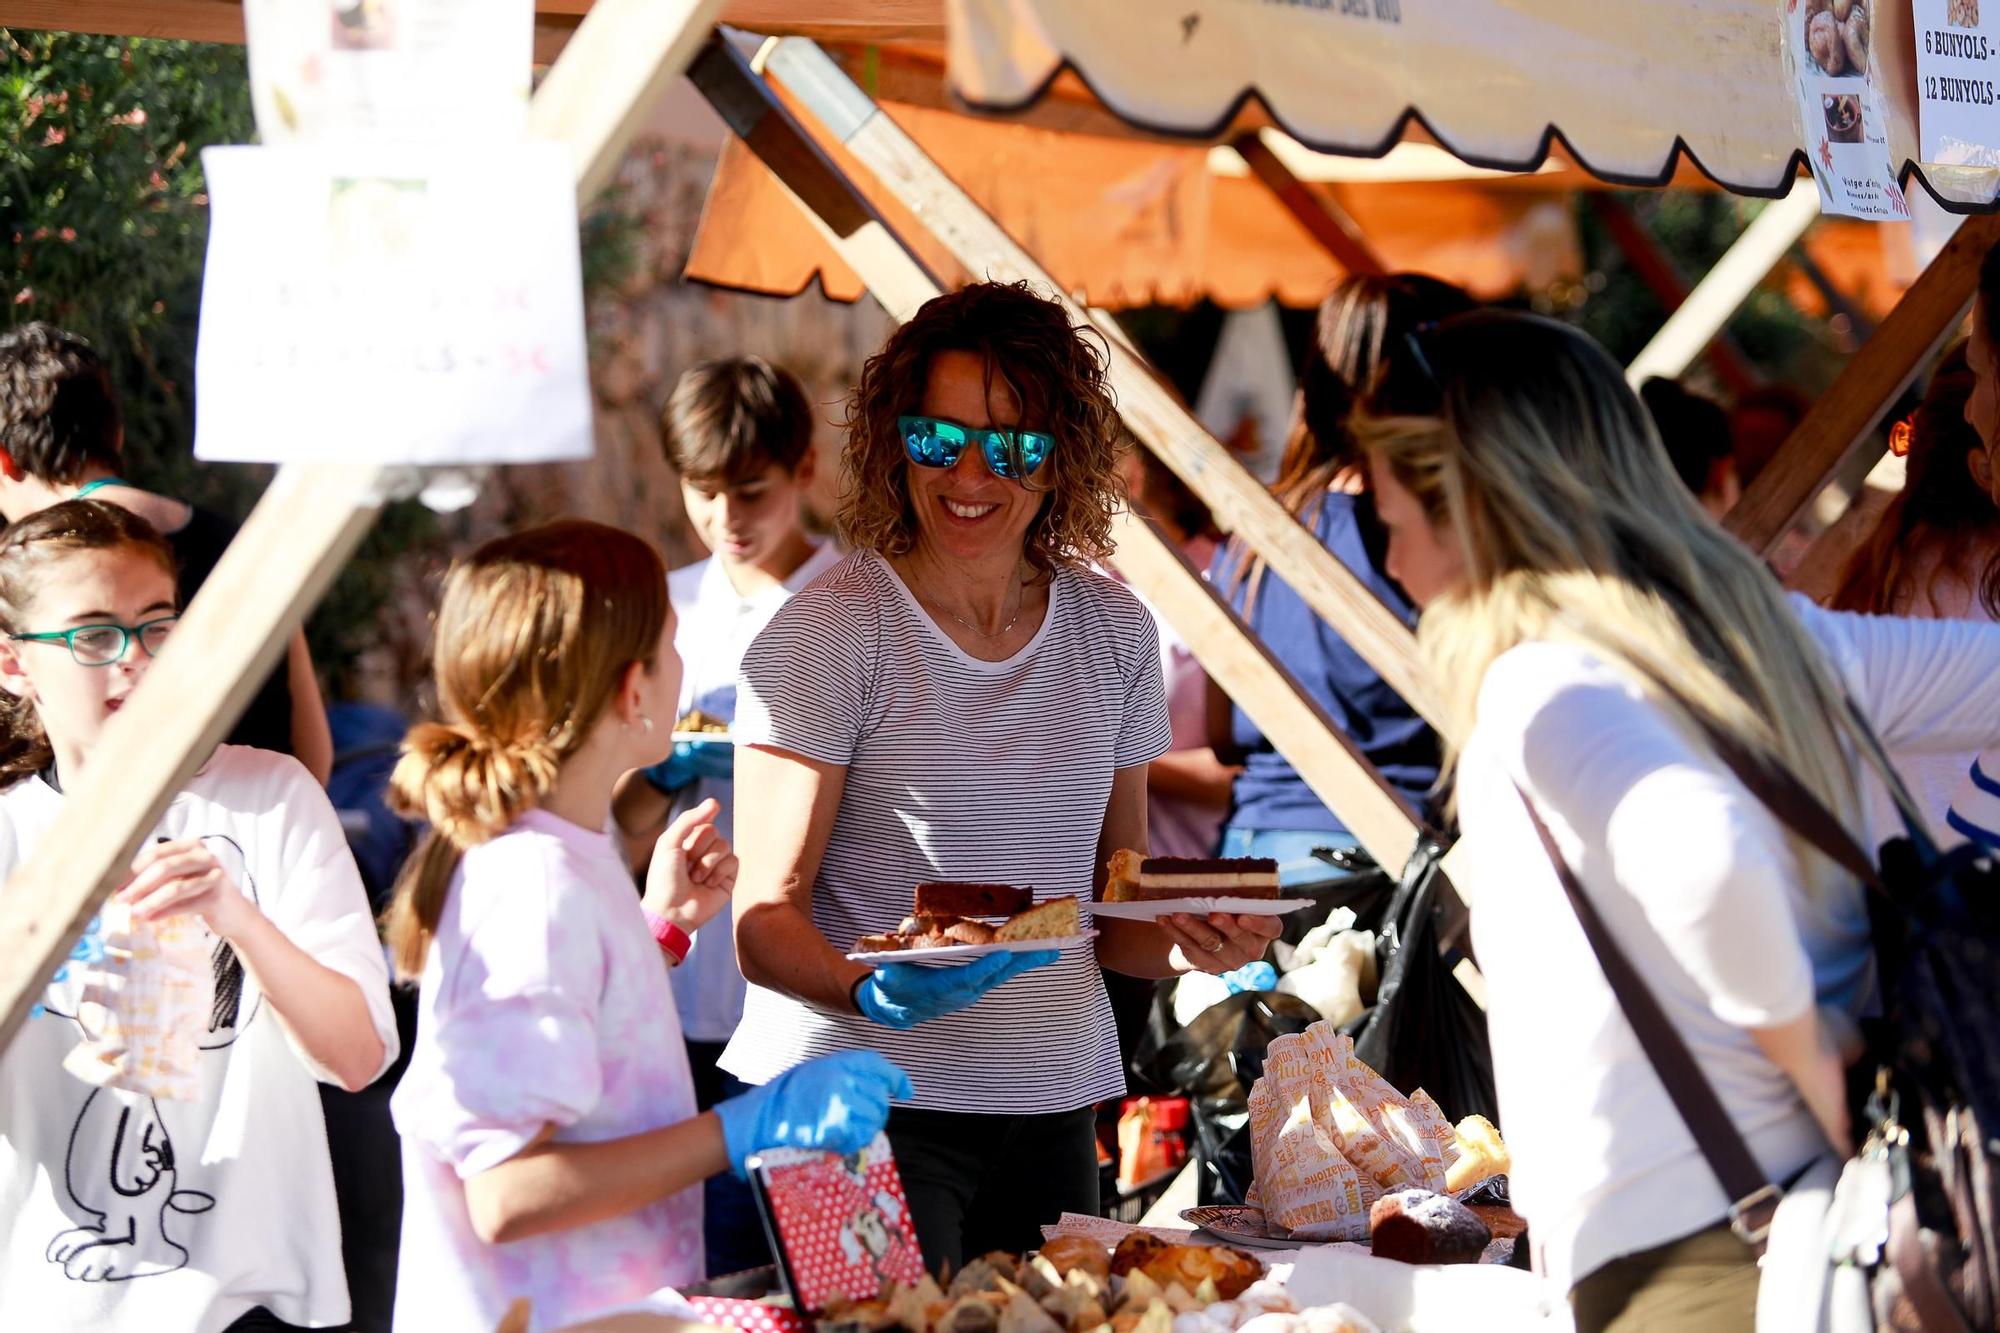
x=1145, y=888
x=955, y=922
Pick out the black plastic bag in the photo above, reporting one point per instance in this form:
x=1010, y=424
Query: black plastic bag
x=1424, y=1031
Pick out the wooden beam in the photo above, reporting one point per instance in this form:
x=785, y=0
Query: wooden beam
x=1296, y=727
x=1665, y=282
x=301, y=532
x=1239, y=503
x=1726, y=286
x=1886, y=365
x=1324, y=758
x=1818, y=572
x=1324, y=220
x=625, y=53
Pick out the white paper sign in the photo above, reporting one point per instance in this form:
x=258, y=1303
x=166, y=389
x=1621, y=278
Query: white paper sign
x=1829, y=53
x=1958, y=73
x=390, y=69
x=392, y=305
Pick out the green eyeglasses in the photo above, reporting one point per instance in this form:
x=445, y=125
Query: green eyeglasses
x=104, y=645
x=935, y=442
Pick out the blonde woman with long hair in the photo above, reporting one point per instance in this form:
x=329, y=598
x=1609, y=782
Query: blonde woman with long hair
x=1563, y=571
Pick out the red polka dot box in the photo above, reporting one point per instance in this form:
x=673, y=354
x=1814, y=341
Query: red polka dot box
x=750, y=1316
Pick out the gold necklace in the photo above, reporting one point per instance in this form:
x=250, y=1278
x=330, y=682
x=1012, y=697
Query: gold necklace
x=1000, y=633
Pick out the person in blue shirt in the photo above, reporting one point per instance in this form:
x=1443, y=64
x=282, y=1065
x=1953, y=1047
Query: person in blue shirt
x=1363, y=323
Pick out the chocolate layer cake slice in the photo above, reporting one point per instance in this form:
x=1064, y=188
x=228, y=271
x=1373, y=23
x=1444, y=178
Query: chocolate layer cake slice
x=952, y=898
x=1136, y=879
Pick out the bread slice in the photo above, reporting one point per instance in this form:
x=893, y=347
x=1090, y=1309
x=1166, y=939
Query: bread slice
x=952, y=898
x=1056, y=919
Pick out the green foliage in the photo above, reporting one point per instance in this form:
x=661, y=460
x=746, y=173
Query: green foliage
x=106, y=227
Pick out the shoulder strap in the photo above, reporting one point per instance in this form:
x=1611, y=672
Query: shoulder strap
x=1755, y=1198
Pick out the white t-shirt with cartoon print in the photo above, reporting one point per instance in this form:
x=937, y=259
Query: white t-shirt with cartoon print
x=125, y=1212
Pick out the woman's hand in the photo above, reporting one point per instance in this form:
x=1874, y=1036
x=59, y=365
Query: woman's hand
x=1218, y=942
x=177, y=878
x=693, y=870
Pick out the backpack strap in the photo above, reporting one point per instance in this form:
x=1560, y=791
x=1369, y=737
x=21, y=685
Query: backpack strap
x=1754, y=1198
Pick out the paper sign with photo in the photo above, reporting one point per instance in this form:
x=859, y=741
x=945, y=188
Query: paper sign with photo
x=841, y=1224
x=392, y=305
x=323, y=70
x=1829, y=55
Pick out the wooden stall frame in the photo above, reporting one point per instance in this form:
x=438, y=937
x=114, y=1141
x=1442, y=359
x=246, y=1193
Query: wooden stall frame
x=1664, y=281
x=1239, y=502
x=1841, y=419
x=304, y=527
x=1324, y=757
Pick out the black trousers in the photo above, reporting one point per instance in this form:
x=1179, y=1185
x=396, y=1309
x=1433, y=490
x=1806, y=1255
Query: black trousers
x=988, y=1182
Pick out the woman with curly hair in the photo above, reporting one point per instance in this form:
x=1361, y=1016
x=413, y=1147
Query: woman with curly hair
x=961, y=699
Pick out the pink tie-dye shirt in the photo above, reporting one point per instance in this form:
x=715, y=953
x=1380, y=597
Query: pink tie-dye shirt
x=544, y=1001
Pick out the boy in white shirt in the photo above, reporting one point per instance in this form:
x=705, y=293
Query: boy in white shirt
x=739, y=431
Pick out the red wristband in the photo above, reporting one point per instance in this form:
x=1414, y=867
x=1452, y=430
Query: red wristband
x=673, y=941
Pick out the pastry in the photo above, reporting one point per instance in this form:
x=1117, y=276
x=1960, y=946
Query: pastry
x=1067, y=1252
x=1135, y=878
x=1232, y=1271
x=1481, y=1154
x=950, y=898
x=880, y=943
x=1056, y=919
x=696, y=720
x=1419, y=1227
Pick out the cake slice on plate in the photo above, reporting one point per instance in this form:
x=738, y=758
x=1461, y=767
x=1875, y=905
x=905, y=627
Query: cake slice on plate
x=1138, y=879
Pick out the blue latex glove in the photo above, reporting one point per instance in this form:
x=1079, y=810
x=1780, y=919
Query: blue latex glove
x=837, y=1103
x=691, y=760
x=1259, y=975
x=902, y=995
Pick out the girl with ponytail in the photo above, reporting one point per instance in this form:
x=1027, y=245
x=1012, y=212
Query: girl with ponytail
x=223, y=1201
x=550, y=1143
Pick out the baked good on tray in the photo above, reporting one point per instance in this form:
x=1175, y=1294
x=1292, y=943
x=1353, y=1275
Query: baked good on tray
x=1419, y=1227
x=952, y=898
x=927, y=928
x=1137, y=879
x=1056, y=919
x=1166, y=1263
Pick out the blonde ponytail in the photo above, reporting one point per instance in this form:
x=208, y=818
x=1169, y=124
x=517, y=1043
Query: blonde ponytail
x=533, y=635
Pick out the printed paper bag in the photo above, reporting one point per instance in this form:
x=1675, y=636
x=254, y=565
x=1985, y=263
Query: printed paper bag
x=144, y=1006
x=1303, y=1181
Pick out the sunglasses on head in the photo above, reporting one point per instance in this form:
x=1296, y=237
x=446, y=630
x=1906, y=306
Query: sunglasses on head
x=1012, y=454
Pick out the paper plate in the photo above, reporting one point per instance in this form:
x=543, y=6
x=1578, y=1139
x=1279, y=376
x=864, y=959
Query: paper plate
x=702, y=738
x=961, y=953
x=1153, y=911
x=1242, y=1225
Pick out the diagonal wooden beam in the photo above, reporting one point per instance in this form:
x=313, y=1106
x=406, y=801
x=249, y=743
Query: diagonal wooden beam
x=1324, y=220
x=1150, y=409
x=1886, y=365
x=304, y=527
x=1327, y=760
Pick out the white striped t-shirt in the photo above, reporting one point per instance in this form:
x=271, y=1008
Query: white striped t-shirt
x=957, y=769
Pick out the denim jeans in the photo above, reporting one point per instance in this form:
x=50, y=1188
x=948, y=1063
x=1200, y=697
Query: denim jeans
x=1292, y=850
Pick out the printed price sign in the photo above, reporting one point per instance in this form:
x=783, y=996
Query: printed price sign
x=1958, y=81
x=392, y=305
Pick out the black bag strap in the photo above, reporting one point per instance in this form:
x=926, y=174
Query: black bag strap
x=1754, y=1199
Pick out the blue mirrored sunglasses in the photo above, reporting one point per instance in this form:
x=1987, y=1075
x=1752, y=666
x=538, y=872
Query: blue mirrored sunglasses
x=935, y=442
